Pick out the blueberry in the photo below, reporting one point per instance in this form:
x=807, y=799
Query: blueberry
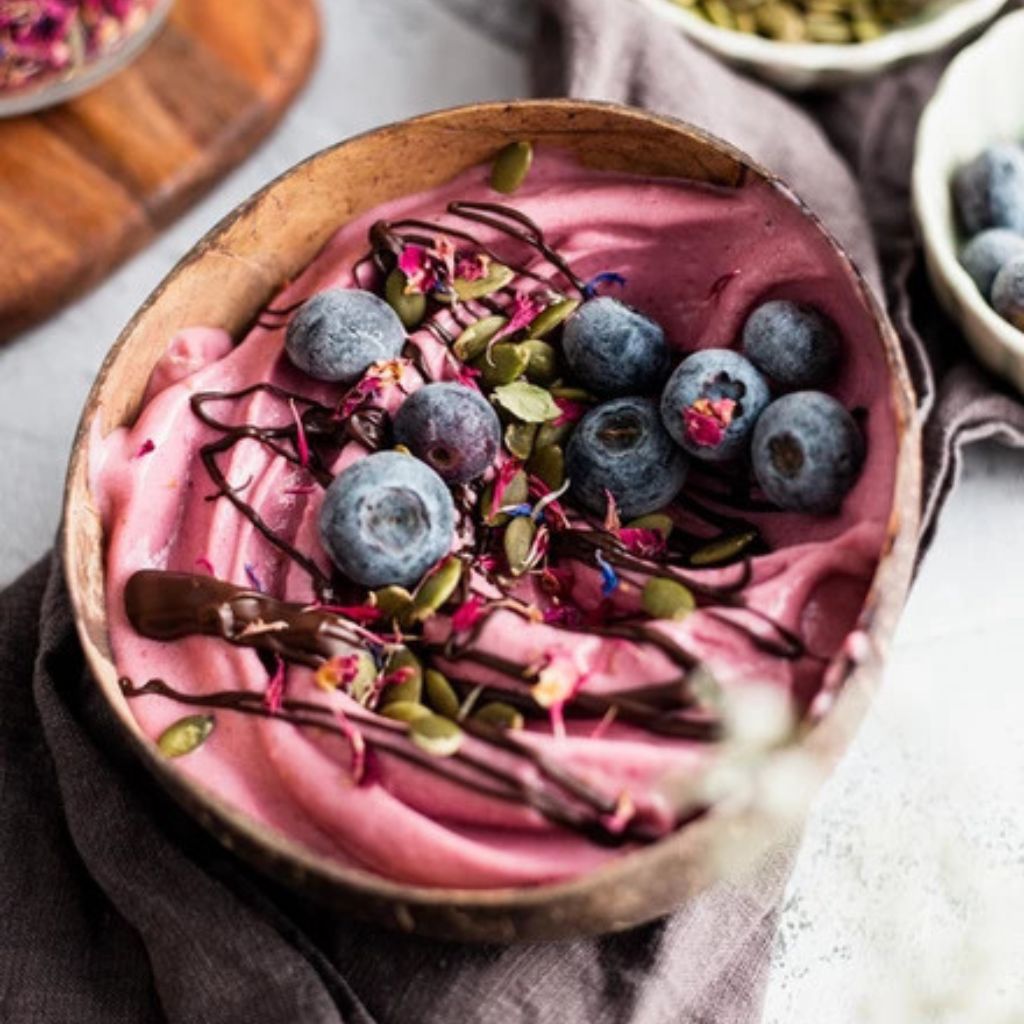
x=985, y=254
x=807, y=452
x=711, y=403
x=452, y=428
x=1008, y=292
x=338, y=334
x=621, y=446
x=387, y=519
x=614, y=350
x=793, y=344
x=989, y=191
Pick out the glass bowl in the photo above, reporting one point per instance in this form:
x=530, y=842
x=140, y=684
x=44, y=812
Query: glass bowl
x=85, y=70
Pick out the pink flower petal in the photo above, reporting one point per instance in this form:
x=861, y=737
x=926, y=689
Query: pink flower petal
x=707, y=420
x=524, y=311
x=273, y=696
x=612, y=522
x=356, y=743
x=572, y=411
x=468, y=614
x=641, y=541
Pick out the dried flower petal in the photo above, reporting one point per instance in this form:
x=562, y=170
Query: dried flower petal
x=420, y=275
x=378, y=378
x=468, y=614
x=340, y=670
x=250, y=571
x=606, y=277
x=571, y=411
x=609, y=577
x=472, y=266
x=612, y=520
x=273, y=696
x=643, y=541
x=356, y=743
x=301, y=444
x=524, y=309
x=707, y=420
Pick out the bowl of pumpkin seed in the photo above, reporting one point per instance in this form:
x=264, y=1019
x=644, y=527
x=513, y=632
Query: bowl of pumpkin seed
x=806, y=44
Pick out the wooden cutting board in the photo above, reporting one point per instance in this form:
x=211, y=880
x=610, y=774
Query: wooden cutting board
x=86, y=184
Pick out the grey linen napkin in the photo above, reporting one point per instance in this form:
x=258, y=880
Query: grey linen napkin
x=116, y=907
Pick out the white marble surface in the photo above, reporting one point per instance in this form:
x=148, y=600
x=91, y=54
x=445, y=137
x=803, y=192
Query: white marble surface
x=908, y=898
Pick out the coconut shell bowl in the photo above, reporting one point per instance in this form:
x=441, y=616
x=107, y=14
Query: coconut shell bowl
x=235, y=271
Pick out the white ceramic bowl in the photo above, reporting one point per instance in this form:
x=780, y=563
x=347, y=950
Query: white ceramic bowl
x=980, y=100
x=811, y=65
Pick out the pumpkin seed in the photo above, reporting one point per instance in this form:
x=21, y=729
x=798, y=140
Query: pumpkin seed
x=502, y=365
x=499, y=714
x=404, y=711
x=409, y=690
x=527, y=402
x=551, y=317
x=542, y=367
x=441, y=695
x=496, y=278
x=550, y=434
x=573, y=394
x=435, y=590
x=436, y=735
x=723, y=549
x=511, y=167
x=666, y=599
x=185, y=735
x=393, y=602
x=518, y=540
x=411, y=307
x=548, y=464
x=473, y=341
x=654, y=521
x=519, y=439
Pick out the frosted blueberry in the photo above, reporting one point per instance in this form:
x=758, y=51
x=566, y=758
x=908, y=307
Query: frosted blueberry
x=807, y=452
x=621, y=447
x=1008, y=292
x=986, y=254
x=614, y=350
x=989, y=191
x=338, y=334
x=387, y=519
x=452, y=428
x=791, y=343
x=711, y=403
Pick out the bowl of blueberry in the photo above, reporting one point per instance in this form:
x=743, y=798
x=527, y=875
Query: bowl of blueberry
x=968, y=190
x=480, y=497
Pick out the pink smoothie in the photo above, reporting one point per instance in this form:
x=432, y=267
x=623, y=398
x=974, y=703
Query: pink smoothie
x=675, y=244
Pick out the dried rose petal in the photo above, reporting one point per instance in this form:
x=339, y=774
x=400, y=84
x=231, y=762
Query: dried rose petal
x=707, y=420
x=468, y=614
x=273, y=696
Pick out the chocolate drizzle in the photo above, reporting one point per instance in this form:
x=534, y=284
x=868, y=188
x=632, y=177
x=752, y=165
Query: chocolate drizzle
x=533, y=781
